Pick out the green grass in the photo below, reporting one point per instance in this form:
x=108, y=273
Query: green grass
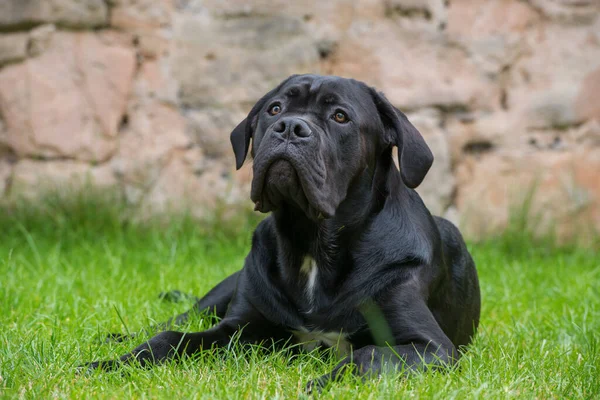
x=72, y=271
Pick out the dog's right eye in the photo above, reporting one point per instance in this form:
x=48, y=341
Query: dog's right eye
x=275, y=109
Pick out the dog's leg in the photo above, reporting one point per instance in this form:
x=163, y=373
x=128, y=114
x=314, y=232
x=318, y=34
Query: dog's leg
x=418, y=343
x=244, y=322
x=170, y=344
x=217, y=300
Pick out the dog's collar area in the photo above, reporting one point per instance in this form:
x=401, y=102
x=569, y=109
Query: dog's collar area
x=310, y=270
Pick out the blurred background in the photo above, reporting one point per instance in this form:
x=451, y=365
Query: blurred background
x=140, y=96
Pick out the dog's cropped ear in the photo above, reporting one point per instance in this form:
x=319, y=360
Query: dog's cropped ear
x=241, y=134
x=240, y=141
x=414, y=156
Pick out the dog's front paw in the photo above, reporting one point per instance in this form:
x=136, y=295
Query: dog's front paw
x=118, y=337
x=177, y=296
x=109, y=365
x=314, y=386
x=317, y=385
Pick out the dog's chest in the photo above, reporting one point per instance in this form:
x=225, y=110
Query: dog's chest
x=310, y=275
x=309, y=340
x=312, y=338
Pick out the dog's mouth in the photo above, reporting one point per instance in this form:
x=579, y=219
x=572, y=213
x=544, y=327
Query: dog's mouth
x=284, y=180
x=282, y=183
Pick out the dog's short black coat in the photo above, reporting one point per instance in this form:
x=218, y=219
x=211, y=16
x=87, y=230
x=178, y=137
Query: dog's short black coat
x=350, y=256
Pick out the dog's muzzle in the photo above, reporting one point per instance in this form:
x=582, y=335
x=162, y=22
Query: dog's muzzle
x=285, y=168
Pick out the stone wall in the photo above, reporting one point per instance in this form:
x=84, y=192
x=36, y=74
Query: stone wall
x=142, y=94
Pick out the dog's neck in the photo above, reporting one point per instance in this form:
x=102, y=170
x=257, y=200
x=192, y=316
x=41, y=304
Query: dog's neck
x=327, y=240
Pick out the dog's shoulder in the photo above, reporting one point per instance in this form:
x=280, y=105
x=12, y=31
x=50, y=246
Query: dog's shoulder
x=403, y=232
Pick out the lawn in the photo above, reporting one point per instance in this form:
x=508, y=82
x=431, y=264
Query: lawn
x=73, y=271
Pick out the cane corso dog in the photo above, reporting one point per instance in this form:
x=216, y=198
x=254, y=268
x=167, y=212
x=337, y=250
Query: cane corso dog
x=350, y=257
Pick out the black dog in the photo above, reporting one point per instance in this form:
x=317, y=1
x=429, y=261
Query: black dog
x=350, y=256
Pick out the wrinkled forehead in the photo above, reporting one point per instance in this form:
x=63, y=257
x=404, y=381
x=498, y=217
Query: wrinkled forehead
x=329, y=89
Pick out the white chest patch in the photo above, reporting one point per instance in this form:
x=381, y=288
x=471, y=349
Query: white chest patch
x=310, y=340
x=310, y=269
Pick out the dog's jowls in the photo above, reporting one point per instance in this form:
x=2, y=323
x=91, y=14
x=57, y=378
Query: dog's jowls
x=349, y=257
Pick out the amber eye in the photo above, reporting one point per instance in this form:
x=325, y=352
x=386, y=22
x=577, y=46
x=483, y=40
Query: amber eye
x=275, y=109
x=340, y=117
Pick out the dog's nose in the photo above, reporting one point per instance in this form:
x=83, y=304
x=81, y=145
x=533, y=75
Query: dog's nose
x=292, y=126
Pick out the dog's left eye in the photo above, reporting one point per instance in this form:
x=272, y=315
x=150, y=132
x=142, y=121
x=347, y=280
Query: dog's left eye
x=340, y=117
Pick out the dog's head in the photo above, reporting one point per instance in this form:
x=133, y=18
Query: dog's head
x=312, y=135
